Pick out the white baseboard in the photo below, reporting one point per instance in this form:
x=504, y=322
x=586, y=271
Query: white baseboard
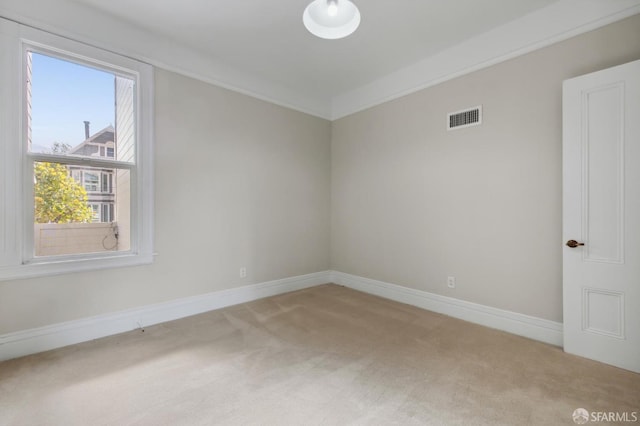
x=54, y=336
x=523, y=325
x=41, y=339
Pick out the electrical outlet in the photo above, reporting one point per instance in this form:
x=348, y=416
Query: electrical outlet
x=451, y=282
x=243, y=272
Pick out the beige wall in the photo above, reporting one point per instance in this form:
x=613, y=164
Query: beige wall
x=413, y=203
x=239, y=182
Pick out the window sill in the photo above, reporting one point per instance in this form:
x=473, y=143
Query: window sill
x=67, y=266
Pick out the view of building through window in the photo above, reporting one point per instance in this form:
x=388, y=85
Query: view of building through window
x=81, y=190
x=98, y=182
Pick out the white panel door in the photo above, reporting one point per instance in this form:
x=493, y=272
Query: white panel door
x=601, y=216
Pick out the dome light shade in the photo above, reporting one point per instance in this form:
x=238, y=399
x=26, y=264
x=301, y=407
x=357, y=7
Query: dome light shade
x=331, y=19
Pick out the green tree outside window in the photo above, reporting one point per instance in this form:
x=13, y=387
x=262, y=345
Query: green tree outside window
x=58, y=197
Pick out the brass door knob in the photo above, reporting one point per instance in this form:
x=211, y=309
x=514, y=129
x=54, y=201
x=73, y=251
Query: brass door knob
x=574, y=243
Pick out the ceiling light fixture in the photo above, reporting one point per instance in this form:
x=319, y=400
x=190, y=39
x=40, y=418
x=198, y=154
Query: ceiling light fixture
x=331, y=19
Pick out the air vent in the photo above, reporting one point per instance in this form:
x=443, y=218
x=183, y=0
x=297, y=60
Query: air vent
x=467, y=118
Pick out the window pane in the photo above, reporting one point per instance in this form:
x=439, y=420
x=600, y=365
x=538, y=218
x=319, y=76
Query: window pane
x=95, y=212
x=77, y=110
x=70, y=219
x=91, y=181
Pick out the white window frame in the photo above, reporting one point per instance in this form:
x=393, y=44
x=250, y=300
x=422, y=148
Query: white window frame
x=17, y=258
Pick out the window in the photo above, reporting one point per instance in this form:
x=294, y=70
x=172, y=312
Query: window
x=106, y=212
x=91, y=181
x=95, y=212
x=106, y=182
x=76, y=125
x=100, y=213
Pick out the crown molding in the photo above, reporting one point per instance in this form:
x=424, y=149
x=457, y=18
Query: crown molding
x=81, y=23
x=549, y=25
x=552, y=24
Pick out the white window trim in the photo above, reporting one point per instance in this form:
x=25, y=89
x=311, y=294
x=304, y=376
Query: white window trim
x=16, y=195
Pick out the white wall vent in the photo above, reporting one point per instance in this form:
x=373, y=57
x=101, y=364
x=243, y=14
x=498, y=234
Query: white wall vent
x=467, y=118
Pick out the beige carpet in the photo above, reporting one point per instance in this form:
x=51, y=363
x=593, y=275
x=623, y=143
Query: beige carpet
x=322, y=356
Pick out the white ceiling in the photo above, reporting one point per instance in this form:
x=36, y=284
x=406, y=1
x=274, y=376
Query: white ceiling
x=261, y=47
x=269, y=39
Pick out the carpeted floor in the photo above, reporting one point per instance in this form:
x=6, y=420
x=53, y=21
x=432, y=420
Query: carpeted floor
x=322, y=356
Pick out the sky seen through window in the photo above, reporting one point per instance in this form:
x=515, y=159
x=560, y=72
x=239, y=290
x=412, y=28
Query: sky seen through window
x=64, y=95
